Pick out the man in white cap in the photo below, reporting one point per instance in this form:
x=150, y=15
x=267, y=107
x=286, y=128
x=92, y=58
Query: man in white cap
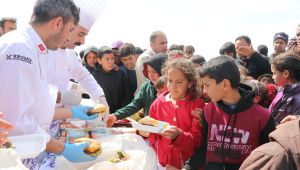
x=64, y=63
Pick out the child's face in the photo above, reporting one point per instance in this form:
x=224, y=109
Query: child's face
x=129, y=61
x=280, y=78
x=177, y=84
x=91, y=59
x=152, y=74
x=212, y=89
x=107, y=62
x=266, y=80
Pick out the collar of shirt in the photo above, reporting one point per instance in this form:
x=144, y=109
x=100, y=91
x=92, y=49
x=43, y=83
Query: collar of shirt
x=36, y=39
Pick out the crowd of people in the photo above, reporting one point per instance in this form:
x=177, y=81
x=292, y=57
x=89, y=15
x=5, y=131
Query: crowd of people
x=235, y=111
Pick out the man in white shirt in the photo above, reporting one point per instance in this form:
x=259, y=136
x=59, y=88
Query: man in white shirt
x=25, y=96
x=64, y=63
x=158, y=44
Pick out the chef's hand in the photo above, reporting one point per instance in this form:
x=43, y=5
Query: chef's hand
x=80, y=112
x=111, y=119
x=74, y=152
x=4, y=125
x=171, y=132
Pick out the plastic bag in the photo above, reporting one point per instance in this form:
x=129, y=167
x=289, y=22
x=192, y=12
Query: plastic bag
x=142, y=156
x=10, y=160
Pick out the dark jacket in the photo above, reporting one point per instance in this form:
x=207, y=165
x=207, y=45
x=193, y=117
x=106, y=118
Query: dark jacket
x=256, y=65
x=115, y=86
x=89, y=68
x=283, y=152
x=286, y=102
x=131, y=78
x=230, y=133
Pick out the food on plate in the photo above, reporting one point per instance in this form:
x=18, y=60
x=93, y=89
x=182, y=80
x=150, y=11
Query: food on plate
x=119, y=157
x=94, y=148
x=153, y=122
x=6, y=144
x=98, y=109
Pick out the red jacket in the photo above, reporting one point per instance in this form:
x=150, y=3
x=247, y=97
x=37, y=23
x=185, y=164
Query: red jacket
x=176, y=152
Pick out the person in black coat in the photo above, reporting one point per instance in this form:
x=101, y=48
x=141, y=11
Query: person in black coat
x=255, y=63
x=114, y=82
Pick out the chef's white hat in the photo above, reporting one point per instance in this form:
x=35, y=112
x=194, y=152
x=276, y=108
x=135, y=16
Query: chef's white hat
x=89, y=11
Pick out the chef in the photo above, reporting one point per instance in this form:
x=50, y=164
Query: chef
x=64, y=63
x=25, y=96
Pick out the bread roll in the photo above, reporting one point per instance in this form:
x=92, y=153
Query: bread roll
x=94, y=148
x=153, y=122
x=149, y=121
x=98, y=109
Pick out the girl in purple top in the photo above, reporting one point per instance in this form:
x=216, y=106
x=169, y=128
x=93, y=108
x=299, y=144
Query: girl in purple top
x=286, y=73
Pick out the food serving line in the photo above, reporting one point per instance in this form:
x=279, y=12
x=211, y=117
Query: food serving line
x=120, y=147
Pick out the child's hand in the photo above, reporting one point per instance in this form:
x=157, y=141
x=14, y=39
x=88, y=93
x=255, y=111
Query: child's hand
x=144, y=134
x=111, y=119
x=286, y=119
x=197, y=112
x=171, y=132
x=169, y=167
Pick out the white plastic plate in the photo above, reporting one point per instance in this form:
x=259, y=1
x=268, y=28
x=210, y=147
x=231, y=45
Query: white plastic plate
x=146, y=128
x=28, y=146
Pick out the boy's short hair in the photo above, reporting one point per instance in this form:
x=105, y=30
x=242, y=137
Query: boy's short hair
x=104, y=50
x=138, y=50
x=220, y=68
x=126, y=50
x=197, y=59
x=227, y=48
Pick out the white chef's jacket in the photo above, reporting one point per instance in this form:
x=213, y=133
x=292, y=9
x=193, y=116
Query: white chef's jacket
x=25, y=96
x=63, y=65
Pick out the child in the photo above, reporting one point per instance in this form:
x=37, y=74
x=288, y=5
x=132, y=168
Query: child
x=114, y=83
x=286, y=73
x=175, y=144
x=146, y=95
x=197, y=60
x=90, y=58
x=128, y=57
x=161, y=85
x=263, y=93
x=266, y=78
x=232, y=124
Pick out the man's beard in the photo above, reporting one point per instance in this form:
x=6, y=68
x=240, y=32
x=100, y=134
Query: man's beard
x=77, y=44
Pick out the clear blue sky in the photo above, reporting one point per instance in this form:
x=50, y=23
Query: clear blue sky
x=205, y=24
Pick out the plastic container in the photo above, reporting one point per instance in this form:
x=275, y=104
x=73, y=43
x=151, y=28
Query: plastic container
x=28, y=146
